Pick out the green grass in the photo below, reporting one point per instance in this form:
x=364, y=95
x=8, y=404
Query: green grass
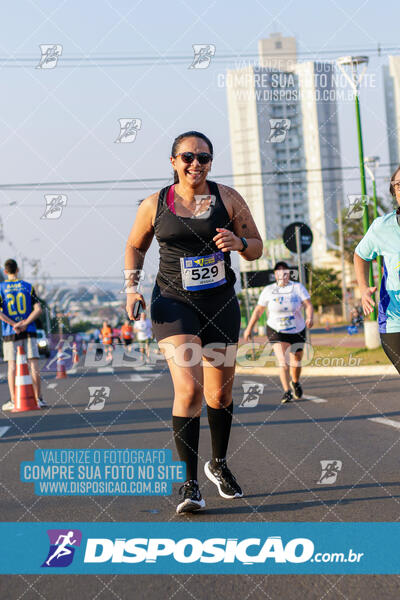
x=336, y=357
x=366, y=357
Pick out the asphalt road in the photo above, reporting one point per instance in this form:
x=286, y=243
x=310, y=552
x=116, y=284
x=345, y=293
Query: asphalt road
x=275, y=451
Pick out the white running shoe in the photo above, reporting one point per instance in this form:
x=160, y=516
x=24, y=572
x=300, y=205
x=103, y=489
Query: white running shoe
x=8, y=406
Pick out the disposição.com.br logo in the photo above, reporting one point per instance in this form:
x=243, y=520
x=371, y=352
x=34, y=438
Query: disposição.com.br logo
x=222, y=550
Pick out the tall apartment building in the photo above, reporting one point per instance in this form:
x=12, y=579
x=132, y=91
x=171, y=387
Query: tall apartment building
x=284, y=129
x=391, y=77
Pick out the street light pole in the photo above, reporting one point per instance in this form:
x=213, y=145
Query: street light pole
x=354, y=78
x=371, y=163
x=364, y=190
x=341, y=246
x=361, y=159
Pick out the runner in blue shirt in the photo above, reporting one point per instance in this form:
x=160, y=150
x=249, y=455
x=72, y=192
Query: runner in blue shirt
x=383, y=239
x=19, y=309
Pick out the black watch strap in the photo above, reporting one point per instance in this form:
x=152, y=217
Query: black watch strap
x=245, y=244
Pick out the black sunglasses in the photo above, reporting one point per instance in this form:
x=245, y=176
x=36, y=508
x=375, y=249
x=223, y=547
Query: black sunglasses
x=202, y=157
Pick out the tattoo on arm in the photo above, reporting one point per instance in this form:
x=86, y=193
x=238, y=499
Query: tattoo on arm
x=139, y=257
x=243, y=221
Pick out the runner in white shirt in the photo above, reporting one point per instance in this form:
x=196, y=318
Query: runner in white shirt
x=144, y=334
x=286, y=327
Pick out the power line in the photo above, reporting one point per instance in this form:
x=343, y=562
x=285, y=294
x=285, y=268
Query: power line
x=138, y=60
x=130, y=206
x=141, y=189
x=62, y=184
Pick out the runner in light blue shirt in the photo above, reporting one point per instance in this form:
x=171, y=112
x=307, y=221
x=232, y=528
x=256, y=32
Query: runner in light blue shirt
x=383, y=239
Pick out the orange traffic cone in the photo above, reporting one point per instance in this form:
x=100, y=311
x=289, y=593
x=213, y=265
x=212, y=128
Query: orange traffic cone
x=75, y=354
x=24, y=395
x=61, y=372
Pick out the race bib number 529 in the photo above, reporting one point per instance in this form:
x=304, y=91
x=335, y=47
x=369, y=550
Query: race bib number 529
x=202, y=272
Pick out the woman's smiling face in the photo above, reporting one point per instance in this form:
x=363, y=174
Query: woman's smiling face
x=194, y=174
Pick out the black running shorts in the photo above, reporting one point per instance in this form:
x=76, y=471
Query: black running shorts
x=215, y=319
x=391, y=347
x=290, y=338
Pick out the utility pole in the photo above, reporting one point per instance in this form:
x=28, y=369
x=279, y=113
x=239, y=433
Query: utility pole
x=343, y=261
x=371, y=331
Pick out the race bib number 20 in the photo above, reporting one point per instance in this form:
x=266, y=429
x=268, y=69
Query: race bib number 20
x=202, y=272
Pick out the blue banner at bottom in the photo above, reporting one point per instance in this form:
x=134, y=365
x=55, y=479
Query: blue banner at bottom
x=199, y=548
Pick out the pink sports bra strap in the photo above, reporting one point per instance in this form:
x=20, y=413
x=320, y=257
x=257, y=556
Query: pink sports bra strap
x=170, y=199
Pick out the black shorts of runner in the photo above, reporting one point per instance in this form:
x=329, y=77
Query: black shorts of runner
x=290, y=338
x=127, y=342
x=391, y=347
x=215, y=319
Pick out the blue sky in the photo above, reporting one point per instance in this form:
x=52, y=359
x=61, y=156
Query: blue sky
x=60, y=124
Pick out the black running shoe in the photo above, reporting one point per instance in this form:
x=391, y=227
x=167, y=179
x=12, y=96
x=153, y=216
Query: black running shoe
x=287, y=397
x=296, y=389
x=220, y=474
x=192, y=499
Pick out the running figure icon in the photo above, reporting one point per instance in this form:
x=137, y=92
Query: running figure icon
x=97, y=397
x=62, y=549
x=330, y=471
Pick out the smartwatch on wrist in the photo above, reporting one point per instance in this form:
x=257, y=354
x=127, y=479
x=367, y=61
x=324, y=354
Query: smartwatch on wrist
x=245, y=244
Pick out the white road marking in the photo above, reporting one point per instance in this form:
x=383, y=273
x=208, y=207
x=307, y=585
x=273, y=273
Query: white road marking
x=385, y=421
x=144, y=368
x=105, y=369
x=132, y=378
x=51, y=386
x=3, y=430
x=315, y=399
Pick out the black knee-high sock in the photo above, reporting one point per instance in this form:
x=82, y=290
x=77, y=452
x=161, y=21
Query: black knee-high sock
x=220, y=421
x=186, y=436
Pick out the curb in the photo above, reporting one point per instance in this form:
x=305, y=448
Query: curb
x=364, y=371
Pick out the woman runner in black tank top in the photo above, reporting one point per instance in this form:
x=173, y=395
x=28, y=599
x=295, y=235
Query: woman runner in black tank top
x=194, y=308
x=186, y=237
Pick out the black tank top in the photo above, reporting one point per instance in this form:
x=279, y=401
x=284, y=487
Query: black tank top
x=180, y=237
